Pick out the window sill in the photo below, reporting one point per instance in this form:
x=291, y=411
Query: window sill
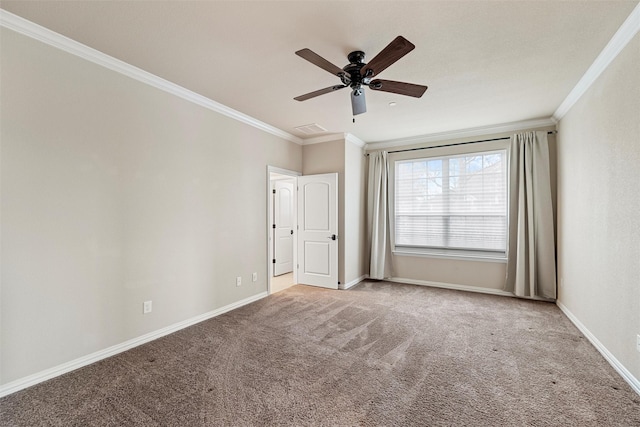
x=454, y=255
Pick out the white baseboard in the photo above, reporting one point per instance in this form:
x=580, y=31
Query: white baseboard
x=624, y=372
x=451, y=286
x=56, y=371
x=352, y=283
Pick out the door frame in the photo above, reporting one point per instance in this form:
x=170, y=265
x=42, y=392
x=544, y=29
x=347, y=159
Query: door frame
x=294, y=175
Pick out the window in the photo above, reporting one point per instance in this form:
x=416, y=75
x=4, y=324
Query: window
x=454, y=203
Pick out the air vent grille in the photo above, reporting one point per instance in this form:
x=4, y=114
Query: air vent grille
x=311, y=129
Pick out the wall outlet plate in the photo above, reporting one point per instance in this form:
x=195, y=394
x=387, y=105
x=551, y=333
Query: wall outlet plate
x=254, y=277
x=147, y=307
x=238, y=281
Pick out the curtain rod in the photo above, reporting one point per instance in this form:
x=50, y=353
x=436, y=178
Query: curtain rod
x=551, y=132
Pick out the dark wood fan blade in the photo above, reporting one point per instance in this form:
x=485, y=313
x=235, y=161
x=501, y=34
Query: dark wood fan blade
x=395, y=50
x=402, y=88
x=358, y=102
x=318, y=92
x=318, y=60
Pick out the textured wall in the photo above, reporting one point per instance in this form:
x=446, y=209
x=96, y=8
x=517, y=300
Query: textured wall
x=599, y=208
x=114, y=193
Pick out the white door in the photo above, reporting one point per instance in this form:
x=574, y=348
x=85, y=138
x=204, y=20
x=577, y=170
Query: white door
x=283, y=231
x=318, y=230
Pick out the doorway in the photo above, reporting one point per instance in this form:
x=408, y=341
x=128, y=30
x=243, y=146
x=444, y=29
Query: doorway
x=281, y=229
x=302, y=229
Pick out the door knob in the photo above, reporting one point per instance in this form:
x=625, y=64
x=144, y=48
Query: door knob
x=333, y=237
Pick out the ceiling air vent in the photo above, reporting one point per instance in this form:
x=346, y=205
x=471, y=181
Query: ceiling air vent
x=311, y=129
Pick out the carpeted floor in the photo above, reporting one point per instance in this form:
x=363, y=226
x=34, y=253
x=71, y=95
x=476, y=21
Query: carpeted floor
x=378, y=354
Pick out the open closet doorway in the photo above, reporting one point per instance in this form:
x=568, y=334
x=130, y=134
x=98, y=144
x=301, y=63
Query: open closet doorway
x=282, y=229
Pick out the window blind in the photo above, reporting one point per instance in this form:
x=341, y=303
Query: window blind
x=452, y=202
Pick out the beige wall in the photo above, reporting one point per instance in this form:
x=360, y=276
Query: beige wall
x=347, y=159
x=481, y=274
x=599, y=208
x=328, y=157
x=355, y=236
x=114, y=193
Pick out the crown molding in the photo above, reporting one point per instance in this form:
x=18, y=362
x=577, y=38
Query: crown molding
x=324, y=138
x=354, y=140
x=349, y=137
x=44, y=35
x=625, y=33
x=464, y=133
x=620, y=39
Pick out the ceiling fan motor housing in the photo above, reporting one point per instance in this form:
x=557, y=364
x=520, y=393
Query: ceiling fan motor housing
x=355, y=79
x=356, y=57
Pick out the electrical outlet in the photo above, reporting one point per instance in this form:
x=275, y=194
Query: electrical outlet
x=238, y=281
x=254, y=277
x=638, y=342
x=146, y=307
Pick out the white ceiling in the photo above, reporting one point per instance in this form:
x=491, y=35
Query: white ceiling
x=485, y=62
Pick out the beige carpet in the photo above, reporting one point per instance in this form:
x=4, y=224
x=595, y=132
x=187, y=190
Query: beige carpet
x=378, y=354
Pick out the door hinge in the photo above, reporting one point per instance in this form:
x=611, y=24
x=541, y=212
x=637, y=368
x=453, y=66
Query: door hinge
x=274, y=226
x=274, y=260
x=298, y=266
x=274, y=191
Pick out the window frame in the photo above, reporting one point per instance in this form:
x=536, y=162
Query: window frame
x=443, y=151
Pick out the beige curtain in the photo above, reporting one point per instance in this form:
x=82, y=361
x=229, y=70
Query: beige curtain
x=378, y=217
x=531, y=270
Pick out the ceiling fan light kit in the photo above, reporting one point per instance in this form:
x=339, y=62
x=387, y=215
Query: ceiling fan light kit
x=357, y=74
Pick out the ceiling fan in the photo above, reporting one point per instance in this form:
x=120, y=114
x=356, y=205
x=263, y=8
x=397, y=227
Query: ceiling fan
x=358, y=74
